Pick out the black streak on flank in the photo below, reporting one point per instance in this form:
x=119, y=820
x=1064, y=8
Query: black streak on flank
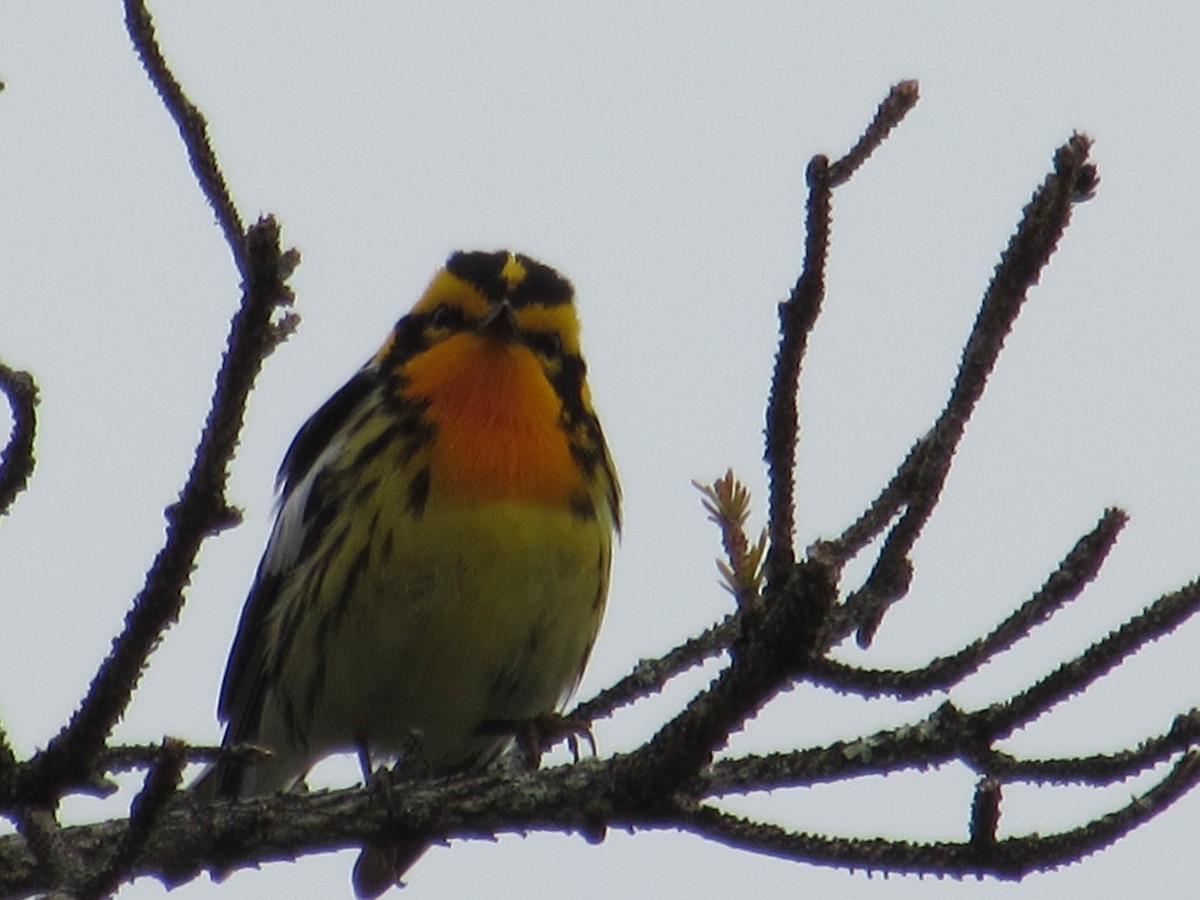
x=582, y=507
x=587, y=458
x=376, y=445
x=315, y=687
x=602, y=565
x=333, y=619
x=418, y=492
x=320, y=512
x=315, y=435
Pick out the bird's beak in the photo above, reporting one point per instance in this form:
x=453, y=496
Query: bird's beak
x=500, y=322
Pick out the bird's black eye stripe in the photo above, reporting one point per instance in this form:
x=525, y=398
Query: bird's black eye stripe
x=547, y=343
x=447, y=316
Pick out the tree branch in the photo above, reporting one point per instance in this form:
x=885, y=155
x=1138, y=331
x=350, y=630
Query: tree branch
x=1078, y=569
x=17, y=461
x=918, y=482
x=797, y=318
x=1008, y=858
x=201, y=511
x=193, y=128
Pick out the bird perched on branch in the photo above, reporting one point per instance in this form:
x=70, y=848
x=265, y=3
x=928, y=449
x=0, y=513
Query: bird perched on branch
x=440, y=558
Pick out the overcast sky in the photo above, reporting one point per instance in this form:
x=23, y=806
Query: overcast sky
x=655, y=154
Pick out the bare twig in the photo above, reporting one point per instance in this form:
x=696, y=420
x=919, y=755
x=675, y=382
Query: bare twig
x=895, y=106
x=16, y=461
x=918, y=482
x=142, y=756
x=49, y=854
x=1162, y=616
x=985, y=812
x=192, y=128
x=148, y=806
x=1007, y=858
x=946, y=735
x=1078, y=569
x=797, y=317
x=1097, y=769
x=202, y=510
x=649, y=676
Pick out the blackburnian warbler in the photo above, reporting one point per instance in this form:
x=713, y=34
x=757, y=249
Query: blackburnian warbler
x=440, y=557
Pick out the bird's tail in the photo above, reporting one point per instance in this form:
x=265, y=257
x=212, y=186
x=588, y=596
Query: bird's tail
x=382, y=865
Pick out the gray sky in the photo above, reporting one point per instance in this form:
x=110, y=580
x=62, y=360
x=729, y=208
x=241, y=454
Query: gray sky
x=654, y=153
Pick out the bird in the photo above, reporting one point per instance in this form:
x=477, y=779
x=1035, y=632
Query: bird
x=441, y=551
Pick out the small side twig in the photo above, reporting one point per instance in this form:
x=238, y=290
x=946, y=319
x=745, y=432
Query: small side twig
x=162, y=781
x=891, y=112
x=985, y=812
x=193, y=128
x=201, y=511
x=1006, y=858
x=17, y=460
x=43, y=836
x=797, y=317
x=1098, y=769
x=1162, y=616
x=1077, y=570
x=649, y=676
x=918, y=482
x=129, y=757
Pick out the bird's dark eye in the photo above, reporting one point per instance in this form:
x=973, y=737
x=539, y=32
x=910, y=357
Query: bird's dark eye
x=547, y=343
x=441, y=316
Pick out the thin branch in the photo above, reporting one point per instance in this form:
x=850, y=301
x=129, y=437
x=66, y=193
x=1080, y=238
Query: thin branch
x=1077, y=570
x=1162, y=616
x=1097, y=769
x=201, y=511
x=1008, y=858
x=922, y=475
x=774, y=645
x=147, y=808
x=946, y=735
x=891, y=112
x=985, y=812
x=193, y=128
x=650, y=676
x=142, y=756
x=797, y=317
x=17, y=461
x=202, y=508
x=42, y=838
x=1044, y=219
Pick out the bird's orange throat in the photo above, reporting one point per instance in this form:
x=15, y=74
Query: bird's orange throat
x=496, y=423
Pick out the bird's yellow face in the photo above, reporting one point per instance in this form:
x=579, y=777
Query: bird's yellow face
x=490, y=355
x=473, y=286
